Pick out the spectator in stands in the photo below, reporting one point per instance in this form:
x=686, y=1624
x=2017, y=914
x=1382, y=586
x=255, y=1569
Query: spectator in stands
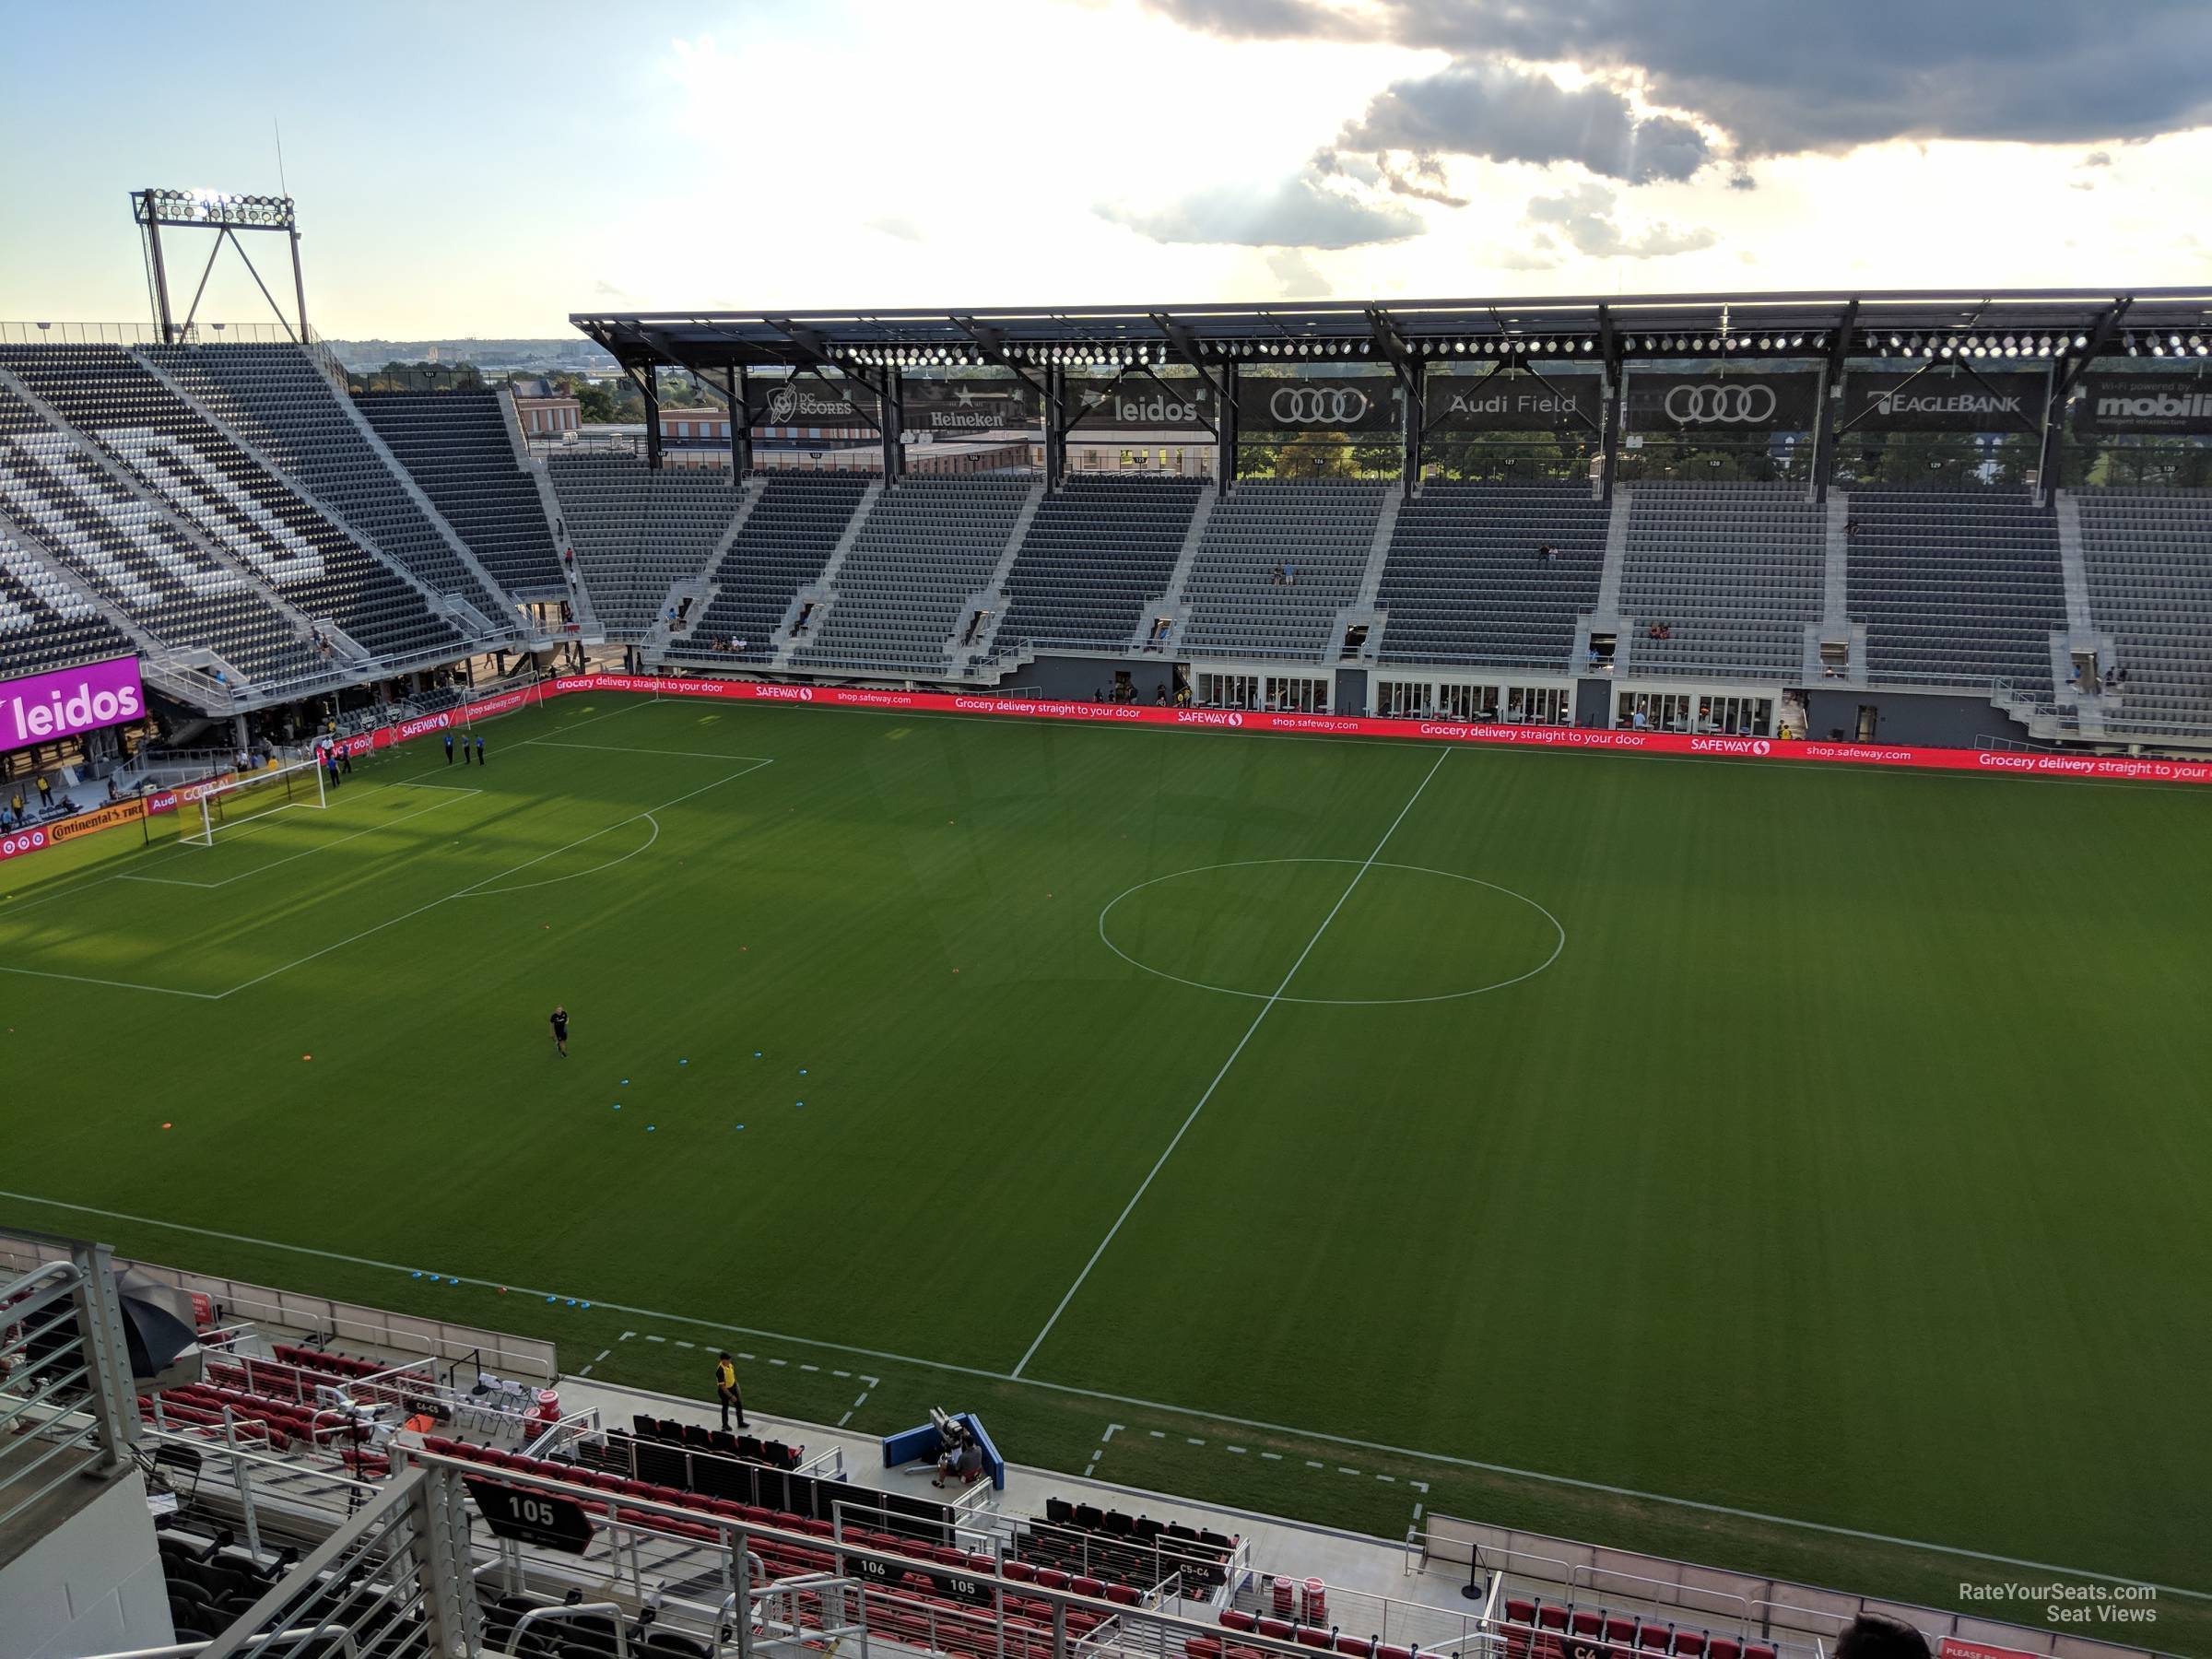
x=1851, y=529
x=1289, y=575
x=1867, y=1637
x=1546, y=553
x=726, y=1390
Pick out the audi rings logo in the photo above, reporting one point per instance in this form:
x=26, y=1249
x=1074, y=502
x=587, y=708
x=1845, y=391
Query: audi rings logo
x=1738, y=403
x=1318, y=405
x=783, y=406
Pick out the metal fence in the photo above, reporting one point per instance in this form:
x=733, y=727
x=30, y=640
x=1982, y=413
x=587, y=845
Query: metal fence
x=66, y=1405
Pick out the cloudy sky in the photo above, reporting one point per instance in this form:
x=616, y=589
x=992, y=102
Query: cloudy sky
x=489, y=167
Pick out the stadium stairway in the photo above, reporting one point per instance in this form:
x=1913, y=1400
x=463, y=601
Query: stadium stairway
x=456, y=448
x=1319, y=534
x=1733, y=572
x=1097, y=555
x=156, y=578
x=165, y=453
x=776, y=551
x=275, y=403
x=2149, y=589
x=1463, y=586
x=927, y=548
x=1957, y=587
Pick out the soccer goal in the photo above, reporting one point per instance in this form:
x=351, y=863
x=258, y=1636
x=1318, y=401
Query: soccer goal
x=252, y=797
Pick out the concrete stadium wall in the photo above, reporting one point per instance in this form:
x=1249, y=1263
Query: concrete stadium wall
x=1911, y=717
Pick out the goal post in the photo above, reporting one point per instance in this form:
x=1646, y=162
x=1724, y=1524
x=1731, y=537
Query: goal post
x=251, y=796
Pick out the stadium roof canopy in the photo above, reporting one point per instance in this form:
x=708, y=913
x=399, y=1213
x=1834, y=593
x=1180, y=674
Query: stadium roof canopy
x=1896, y=322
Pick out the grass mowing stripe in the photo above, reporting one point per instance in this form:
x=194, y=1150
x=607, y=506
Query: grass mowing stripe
x=1360, y=874
x=1103, y=1396
x=474, y=885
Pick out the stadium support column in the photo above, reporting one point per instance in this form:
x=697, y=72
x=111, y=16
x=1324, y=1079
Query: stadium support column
x=1824, y=425
x=1055, y=426
x=1225, y=467
x=894, y=427
x=649, y=384
x=163, y=321
x=1414, y=378
x=1617, y=397
x=2065, y=373
x=741, y=424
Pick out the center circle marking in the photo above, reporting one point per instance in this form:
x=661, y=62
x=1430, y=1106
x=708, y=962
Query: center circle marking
x=1558, y=930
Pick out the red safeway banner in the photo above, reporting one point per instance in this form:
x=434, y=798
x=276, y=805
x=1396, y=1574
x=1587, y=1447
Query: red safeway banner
x=2020, y=763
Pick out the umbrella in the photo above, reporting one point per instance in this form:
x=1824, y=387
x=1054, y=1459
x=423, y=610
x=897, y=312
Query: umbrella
x=158, y=1330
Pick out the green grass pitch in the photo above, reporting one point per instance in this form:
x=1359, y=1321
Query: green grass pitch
x=1832, y=1147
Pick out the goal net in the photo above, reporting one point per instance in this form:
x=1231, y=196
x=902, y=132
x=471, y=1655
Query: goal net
x=227, y=807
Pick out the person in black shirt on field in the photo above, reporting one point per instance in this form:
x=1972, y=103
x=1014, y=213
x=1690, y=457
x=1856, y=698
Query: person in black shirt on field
x=561, y=1029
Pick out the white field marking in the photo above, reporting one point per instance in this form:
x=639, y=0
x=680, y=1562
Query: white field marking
x=82, y=979
x=1271, y=1456
x=1338, y=1002
x=1158, y=1434
x=1111, y=1429
x=616, y=748
x=843, y=1420
x=524, y=887
x=1238, y=1450
x=1266, y=1009
x=811, y=1368
x=775, y=1361
x=1416, y=1513
x=624, y=1337
x=474, y=885
x=167, y=856
x=1444, y=1459
x=309, y=853
x=681, y=1343
x=656, y=1338
x=603, y=1354
x=840, y=1373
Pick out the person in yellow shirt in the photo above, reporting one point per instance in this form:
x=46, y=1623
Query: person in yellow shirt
x=725, y=1390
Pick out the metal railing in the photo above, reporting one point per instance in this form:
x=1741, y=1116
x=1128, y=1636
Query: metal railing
x=64, y=1383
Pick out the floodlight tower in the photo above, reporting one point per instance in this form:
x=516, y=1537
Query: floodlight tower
x=225, y=214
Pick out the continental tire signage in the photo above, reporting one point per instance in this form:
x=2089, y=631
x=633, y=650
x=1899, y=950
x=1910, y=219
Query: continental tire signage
x=951, y=408
x=2143, y=403
x=809, y=400
x=1696, y=405
x=1938, y=402
x=1514, y=403
x=1365, y=404
x=1140, y=403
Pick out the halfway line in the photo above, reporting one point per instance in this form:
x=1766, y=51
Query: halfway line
x=1265, y=1008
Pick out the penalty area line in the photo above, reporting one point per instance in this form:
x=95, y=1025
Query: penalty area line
x=474, y=887
x=1323, y=1436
